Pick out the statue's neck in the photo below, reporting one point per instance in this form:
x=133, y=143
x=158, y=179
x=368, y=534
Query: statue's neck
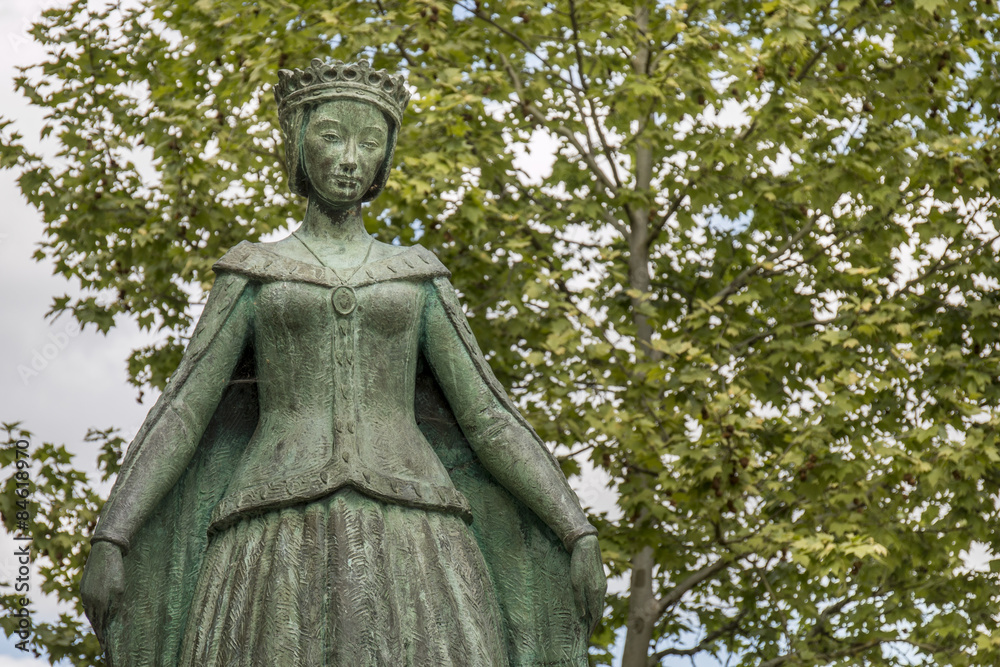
x=339, y=227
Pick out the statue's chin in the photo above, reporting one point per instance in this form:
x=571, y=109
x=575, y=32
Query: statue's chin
x=332, y=206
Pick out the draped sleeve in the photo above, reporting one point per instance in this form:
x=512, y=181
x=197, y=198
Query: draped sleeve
x=166, y=442
x=504, y=442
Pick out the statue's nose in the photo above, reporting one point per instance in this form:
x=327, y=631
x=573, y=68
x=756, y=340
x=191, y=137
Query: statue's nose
x=350, y=161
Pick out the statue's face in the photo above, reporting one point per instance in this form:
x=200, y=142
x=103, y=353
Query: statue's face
x=343, y=148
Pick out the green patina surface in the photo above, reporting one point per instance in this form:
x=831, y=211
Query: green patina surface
x=334, y=476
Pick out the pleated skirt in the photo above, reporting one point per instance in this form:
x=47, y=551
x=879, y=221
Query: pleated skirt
x=346, y=581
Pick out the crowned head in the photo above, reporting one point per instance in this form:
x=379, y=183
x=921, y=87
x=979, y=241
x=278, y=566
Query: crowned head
x=300, y=92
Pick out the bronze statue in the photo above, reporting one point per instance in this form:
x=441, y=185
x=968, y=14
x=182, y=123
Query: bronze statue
x=333, y=476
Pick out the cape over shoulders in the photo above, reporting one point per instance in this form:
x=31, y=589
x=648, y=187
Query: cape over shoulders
x=541, y=620
x=258, y=262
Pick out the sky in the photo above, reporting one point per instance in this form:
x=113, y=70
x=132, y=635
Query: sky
x=59, y=381
x=55, y=379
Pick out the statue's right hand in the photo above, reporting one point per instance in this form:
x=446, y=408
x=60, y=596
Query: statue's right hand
x=102, y=584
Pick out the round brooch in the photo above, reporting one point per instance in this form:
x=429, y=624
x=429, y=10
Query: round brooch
x=344, y=300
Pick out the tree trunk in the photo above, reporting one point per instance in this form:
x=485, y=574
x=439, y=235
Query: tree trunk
x=642, y=608
x=641, y=611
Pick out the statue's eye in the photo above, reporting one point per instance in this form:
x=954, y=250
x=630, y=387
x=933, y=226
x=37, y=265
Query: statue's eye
x=371, y=143
x=331, y=136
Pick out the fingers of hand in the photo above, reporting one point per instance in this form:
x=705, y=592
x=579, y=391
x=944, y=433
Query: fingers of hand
x=595, y=603
x=579, y=593
x=595, y=591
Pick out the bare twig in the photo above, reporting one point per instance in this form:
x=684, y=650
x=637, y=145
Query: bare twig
x=745, y=275
x=560, y=129
x=828, y=657
x=678, y=591
x=704, y=644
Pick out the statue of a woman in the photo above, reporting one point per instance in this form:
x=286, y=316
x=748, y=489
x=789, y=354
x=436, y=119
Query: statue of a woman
x=333, y=476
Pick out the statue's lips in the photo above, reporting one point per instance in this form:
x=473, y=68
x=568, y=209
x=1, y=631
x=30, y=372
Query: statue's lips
x=346, y=181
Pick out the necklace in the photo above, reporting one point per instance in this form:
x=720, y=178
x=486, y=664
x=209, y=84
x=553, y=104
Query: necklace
x=371, y=242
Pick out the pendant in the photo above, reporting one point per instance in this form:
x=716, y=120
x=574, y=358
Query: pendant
x=344, y=300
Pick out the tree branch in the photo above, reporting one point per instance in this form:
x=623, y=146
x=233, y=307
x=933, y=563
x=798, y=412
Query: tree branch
x=576, y=44
x=560, y=129
x=475, y=11
x=828, y=657
x=678, y=591
x=704, y=644
x=745, y=275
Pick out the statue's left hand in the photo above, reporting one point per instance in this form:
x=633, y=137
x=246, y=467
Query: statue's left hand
x=101, y=585
x=589, y=581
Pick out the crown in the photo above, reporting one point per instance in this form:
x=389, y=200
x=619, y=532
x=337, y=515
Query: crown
x=335, y=80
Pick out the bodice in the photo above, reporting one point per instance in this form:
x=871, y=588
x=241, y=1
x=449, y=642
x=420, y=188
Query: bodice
x=336, y=367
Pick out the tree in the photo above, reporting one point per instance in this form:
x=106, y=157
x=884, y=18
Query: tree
x=757, y=287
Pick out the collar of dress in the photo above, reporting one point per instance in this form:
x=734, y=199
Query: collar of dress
x=415, y=263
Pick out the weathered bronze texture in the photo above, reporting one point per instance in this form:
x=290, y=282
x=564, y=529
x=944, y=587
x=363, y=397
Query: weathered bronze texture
x=334, y=476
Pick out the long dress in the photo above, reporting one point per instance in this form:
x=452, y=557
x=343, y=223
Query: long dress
x=339, y=538
x=359, y=577
x=345, y=581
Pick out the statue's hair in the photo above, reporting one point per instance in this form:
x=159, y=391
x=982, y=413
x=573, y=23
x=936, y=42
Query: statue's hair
x=299, y=92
